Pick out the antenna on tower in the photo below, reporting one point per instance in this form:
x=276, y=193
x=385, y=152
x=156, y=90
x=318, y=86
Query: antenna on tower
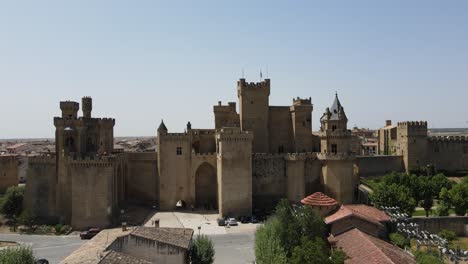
x=260, y=74
x=243, y=73
x=267, y=71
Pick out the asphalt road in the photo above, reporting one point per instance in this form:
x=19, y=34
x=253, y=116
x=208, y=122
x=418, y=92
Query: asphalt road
x=234, y=248
x=52, y=248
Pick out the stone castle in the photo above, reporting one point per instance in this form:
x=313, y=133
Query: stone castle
x=410, y=140
x=249, y=160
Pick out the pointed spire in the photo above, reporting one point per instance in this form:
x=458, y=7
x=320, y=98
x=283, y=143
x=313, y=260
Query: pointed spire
x=162, y=127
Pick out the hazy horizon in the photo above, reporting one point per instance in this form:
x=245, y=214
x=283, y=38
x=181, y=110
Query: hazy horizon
x=146, y=61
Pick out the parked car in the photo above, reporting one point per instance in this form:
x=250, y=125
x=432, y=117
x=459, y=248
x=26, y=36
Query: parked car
x=221, y=221
x=254, y=219
x=90, y=233
x=42, y=261
x=244, y=219
x=232, y=222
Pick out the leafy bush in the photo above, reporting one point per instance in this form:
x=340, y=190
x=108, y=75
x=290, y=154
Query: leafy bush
x=294, y=235
x=62, y=229
x=268, y=247
x=449, y=235
x=202, y=250
x=11, y=203
x=399, y=240
x=28, y=219
x=429, y=257
x=17, y=255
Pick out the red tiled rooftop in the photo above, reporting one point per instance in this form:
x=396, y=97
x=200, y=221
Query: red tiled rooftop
x=362, y=248
x=319, y=199
x=362, y=211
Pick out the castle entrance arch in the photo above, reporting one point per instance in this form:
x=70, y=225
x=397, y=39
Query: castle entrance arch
x=206, y=187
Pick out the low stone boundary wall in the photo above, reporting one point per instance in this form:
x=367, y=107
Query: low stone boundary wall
x=458, y=224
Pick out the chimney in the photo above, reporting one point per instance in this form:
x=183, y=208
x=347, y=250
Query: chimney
x=156, y=223
x=388, y=122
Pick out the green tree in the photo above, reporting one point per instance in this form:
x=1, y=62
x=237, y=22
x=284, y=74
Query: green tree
x=449, y=235
x=394, y=195
x=202, y=250
x=28, y=219
x=427, y=195
x=399, y=240
x=268, y=247
x=459, y=197
x=430, y=257
x=17, y=255
x=310, y=251
x=12, y=202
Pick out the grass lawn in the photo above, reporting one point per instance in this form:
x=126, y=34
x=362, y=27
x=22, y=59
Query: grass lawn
x=461, y=242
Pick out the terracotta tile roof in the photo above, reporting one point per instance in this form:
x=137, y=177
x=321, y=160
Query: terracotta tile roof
x=362, y=248
x=179, y=237
x=362, y=211
x=319, y=199
x=114, y=257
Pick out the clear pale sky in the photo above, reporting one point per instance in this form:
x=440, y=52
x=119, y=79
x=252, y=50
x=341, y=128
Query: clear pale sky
x=142, y=61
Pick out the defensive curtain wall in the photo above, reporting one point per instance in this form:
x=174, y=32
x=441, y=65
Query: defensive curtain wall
x=276, y=176
x=448, y=154
x=378, y=165
x=40, y=191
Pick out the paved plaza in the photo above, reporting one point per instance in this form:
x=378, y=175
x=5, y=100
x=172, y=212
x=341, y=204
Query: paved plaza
x=205, y=220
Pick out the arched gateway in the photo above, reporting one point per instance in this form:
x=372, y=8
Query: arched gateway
x=206, y=187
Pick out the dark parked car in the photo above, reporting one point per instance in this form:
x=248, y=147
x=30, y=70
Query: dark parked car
x=254, y=219
x=244, y=219
x=221, y=221
x=42, y=261
x=90, y=233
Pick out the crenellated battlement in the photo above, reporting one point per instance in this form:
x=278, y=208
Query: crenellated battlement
x=204, y=155
x=41, y=160
x=422, y=124
x=300, y=101
x=69, y=106
x=243, y=86
x=175, y=136
x=233, y=134
x=229, y=108
x=203, y=131
x=337, y=156
x=268, y=155
x=98, y=161
x=448, y=139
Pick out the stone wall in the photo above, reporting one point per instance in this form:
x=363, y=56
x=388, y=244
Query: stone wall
x=234, y=171
x=280, y=129
x=40, y=190
x=142, y=176
x=448, y=153
x=269, y=181
x=458, y=224
x=92, y=193
x=8, y=171
x=174, y=169
x=378, y=165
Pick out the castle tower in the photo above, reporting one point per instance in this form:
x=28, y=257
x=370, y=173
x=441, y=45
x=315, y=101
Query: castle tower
x=338, y=161
x=87, y=106
x=412, y=143
x=253, y=108
x=69, y=109
x=234, y=171
x=301, y=116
